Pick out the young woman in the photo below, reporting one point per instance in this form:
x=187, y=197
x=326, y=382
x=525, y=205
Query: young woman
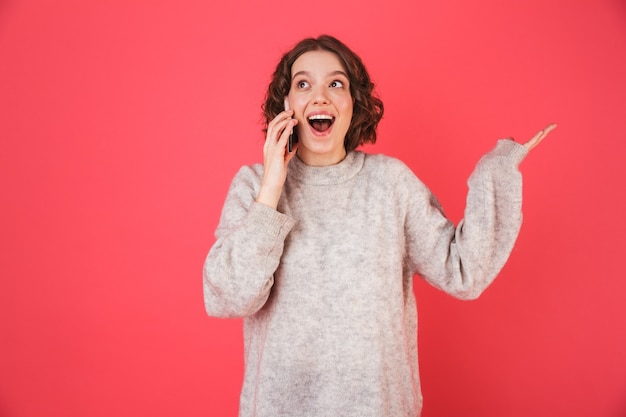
x=317, y=248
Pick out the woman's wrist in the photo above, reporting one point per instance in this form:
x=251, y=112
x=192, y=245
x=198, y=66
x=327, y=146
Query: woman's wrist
x=269, y=196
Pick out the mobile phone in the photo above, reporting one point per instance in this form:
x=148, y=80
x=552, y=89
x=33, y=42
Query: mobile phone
x=293, y=136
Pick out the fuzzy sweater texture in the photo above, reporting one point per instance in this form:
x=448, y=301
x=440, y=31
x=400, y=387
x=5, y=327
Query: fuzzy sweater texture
x=324, y=283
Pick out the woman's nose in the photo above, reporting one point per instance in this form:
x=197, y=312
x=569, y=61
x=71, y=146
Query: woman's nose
x=321, y=96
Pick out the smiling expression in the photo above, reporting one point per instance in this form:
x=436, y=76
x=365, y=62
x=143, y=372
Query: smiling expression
x=321, y=100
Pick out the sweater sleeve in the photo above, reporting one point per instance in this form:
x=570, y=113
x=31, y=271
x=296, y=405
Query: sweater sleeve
x=238, y=271
x=462, y=261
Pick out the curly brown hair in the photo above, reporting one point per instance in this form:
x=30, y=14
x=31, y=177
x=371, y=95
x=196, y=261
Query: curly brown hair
x=367, y=109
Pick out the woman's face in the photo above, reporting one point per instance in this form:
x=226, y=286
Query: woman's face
x=321, y=100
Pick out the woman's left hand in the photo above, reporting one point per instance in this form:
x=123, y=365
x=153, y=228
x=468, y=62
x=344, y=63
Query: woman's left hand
x=535, y=140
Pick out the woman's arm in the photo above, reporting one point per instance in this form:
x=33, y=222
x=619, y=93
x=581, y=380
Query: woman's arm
x=238, y=271
x=463, y=261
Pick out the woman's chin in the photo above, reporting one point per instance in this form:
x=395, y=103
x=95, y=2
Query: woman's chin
x=321, y=152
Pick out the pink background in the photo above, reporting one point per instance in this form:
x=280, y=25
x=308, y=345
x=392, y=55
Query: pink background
x=123, y=122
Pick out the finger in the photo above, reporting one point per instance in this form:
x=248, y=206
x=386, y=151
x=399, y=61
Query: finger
x=276, y=122
x=278, y=145
x=287, y=131
x=274, y=131
x=274, y=135
x=539, y=136
x=549, y=128
x=544, y=132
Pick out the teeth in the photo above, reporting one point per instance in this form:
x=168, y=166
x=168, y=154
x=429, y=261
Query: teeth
x=321, y=117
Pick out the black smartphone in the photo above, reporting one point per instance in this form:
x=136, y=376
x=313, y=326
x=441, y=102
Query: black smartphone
x=293, y=136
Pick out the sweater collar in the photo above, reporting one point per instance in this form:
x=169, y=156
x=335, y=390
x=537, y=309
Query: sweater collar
x=329, y=175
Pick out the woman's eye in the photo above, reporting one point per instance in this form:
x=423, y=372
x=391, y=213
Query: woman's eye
x=336, y=84
x=302, y=84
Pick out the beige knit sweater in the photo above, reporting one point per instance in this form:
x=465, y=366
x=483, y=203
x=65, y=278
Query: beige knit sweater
x=324, y=282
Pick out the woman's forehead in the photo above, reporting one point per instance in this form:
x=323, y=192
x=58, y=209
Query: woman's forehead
x=317, y=62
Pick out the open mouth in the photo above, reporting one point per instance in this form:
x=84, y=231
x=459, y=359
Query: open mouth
x=321, y=122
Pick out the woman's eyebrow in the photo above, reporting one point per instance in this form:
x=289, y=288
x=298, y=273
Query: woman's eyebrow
x=308, y=74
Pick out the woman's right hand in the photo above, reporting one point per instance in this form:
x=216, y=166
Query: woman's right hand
x=276, y=157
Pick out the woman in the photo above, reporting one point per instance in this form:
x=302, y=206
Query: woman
x=317, y=247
